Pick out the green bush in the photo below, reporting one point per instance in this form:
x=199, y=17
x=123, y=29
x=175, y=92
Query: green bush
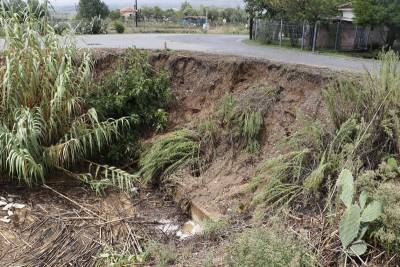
x=134, y=88
x=46, y=125
x=263, y=247
x=382, y=184
x=61, y=28
x=94, y=26
x=119, y=26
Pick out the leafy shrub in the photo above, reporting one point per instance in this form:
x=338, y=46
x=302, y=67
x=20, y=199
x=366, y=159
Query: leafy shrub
x=119, y=26
x=173, y=151
x=382, y=184
x=45, y=123
x=94, y=26
x=262, y=247
x=133, y=88
x=61, y=28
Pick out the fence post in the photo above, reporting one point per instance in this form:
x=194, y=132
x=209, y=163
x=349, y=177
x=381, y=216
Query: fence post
x=356, y=41
x=256, y=29
x=337, y=34
x=315, y=36
x=280, y=33
x=302, y=36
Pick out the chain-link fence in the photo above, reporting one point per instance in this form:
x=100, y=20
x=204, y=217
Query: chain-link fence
x=333, y=35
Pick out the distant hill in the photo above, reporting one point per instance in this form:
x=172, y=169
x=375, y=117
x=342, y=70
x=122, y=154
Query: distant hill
x=66, y=6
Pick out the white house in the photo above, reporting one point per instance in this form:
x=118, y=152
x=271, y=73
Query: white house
x=127, y=12
x=347, y=12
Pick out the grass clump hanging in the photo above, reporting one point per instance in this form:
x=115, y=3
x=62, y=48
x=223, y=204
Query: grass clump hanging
x=45, y=125
x=171, y=152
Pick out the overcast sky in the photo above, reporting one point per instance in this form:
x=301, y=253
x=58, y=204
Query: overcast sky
x=162, y=3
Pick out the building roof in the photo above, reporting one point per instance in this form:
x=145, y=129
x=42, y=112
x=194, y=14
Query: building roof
x=194, y=17
x=127, y=10
x=345, y=6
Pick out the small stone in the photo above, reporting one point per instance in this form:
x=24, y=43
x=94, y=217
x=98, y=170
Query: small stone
x=8, y=206
x=10, y=213
x=18, y=206
x=2, y=203
x=5, y=219
x=3, y=198
x=135, y=190
x=10, y=199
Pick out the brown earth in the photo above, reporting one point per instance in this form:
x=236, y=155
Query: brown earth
x=68, y=217
x=201, y=81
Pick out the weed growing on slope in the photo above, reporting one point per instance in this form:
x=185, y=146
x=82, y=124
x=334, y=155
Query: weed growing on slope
x=365, y=115
x=164, y=255
x=243, y=116
x=168, y=154
x=270, y=246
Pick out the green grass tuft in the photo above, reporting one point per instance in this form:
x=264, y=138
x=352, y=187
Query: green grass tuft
x=171, y=152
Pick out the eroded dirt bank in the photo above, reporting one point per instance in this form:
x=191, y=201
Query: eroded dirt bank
x=70, y=218
x=200, y=83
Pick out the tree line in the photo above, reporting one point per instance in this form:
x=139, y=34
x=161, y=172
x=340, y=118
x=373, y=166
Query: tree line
x=88, y=9
x=215, y=15
x=373, y=13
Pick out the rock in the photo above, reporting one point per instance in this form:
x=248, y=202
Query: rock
x=8, y=206
x=10, y=213
x=2, y=203
x=19, y=206
x=10, y=199
x=5, y=219
x=167, y=226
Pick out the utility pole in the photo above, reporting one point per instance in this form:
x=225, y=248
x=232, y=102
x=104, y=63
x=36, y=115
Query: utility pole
x=136, y=14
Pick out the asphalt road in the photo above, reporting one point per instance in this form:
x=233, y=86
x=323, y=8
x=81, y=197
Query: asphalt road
x=225, y=44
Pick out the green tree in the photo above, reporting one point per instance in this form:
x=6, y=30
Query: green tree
x=170, y=14
x=379, y=13
x=302, y=10
x=158, y=13
x=187, y=10
x=147, y=12
x=88, y=9
x=255, y=8
x=115, y=15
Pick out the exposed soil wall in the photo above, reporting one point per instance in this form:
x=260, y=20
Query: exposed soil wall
x=200, y=82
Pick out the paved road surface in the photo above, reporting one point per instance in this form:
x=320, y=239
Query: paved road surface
x=224, y=44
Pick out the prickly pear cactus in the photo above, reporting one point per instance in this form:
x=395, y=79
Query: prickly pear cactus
x=354, y=223
x=350, y=225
